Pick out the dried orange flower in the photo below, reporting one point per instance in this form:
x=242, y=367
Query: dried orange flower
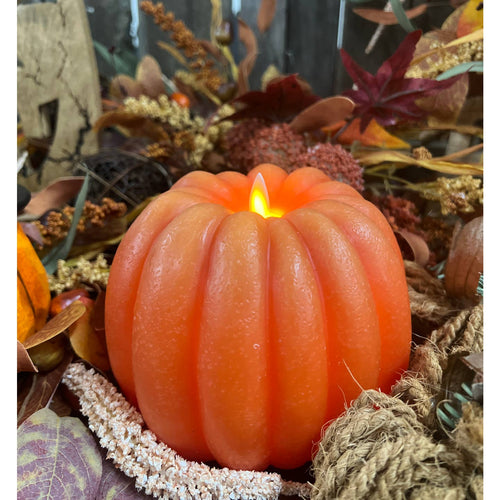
x=56, y=225
x=422, y=153
x=184, y=39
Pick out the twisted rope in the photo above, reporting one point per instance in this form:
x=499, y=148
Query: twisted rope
x=383, y=446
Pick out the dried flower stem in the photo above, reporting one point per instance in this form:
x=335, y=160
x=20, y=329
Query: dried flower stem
x=184, y=39
x=380, y=29
x=80, y=273
x=158, y=469
x=461, y=153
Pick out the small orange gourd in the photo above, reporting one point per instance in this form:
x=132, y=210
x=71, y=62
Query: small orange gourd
x=240, y=334
x=181, y=99
x=33, y=294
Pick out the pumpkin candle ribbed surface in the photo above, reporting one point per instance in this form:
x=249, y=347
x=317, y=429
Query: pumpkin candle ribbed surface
x=240, y=335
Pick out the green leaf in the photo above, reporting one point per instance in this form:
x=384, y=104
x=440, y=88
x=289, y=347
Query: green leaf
x=124, y=62
x=56, y=458
x=61, y=251
x=401, y=16
x=466, y=67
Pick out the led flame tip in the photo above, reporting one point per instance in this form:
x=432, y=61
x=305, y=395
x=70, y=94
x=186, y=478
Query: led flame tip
x=259, y=198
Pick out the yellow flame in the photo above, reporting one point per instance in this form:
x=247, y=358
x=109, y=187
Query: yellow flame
x=259, y=199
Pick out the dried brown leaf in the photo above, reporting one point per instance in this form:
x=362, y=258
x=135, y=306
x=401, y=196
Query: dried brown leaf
x=24, y=362
x=37, y=390
x=471, y=37
x=266, y=13
x=150, y=77
x=135, y=125
x=461, y=153
x=87, y=343
x=55, y=195
x=388, y=18
x=122, y=86
x=56, y=325
x=322, y=113
x=413, y=247
x=445, y=167
x=97, y=319
x=447, y=104
x=213, y=50
x=32, y=231
x=246, y=65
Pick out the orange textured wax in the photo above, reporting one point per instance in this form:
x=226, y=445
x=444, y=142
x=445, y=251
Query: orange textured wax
x=240, y=333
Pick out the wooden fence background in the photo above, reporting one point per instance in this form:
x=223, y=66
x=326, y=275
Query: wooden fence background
x=304, y=37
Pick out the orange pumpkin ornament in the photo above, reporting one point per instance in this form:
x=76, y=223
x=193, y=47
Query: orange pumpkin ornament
x=244, y=312
x=33, y=294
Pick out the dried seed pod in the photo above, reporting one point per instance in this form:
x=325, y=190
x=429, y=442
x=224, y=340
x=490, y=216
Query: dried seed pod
x=227, y=91
x=49, y=354
x=224, y=33
x=465, y=260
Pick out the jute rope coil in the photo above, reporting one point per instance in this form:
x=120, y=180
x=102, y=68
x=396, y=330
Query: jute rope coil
x=380, y=450
x=428, y=298
x=383, y=447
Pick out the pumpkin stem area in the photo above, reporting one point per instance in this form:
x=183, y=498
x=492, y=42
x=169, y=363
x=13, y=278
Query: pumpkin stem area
x=259, y=199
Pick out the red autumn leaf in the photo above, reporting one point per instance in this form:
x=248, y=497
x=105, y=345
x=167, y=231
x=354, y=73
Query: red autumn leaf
x=283, y=98
x=388, y=96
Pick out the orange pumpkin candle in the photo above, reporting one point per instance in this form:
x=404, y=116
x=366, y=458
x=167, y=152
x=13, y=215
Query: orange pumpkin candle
x=244, y=312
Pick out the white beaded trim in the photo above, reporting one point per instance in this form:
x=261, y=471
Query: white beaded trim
x=157, y=469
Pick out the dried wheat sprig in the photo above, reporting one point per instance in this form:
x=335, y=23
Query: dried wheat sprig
x=157, y=469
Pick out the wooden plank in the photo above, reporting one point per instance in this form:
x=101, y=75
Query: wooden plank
x=57, y=70
x=312, y=42
x=110, y=24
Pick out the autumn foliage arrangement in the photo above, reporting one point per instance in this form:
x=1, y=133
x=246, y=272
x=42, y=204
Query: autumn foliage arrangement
x=239, y=312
